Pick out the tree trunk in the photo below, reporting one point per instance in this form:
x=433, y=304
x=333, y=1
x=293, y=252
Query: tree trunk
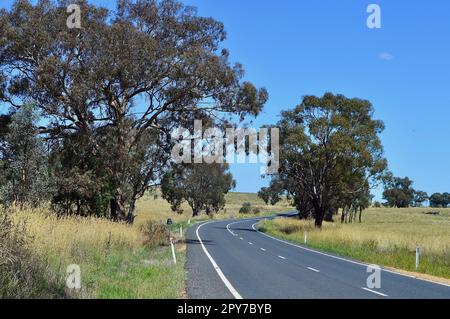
x=78, y=208
x=131, y=217
x=320, y=214
x=118, y=209
x=195, y=211
x=360, y=217
x=318, y=222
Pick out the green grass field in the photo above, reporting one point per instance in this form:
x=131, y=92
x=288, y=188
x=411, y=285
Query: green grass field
x=387, y=236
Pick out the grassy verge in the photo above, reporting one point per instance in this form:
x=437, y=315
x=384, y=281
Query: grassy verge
x=147, y=273
x=114, y=258
x=386, y=237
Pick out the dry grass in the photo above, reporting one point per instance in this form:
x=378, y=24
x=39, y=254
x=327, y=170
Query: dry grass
x=116, y=260
x=23, y=274
x=155, y=208
x=386, y=236
x=113, y=257
x=155, y=233
x=72, y=239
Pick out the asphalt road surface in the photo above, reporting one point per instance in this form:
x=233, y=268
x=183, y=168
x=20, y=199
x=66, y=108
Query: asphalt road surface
x=231, y=259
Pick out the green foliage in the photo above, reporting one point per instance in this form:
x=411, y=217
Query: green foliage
x=269, y=195
x=419, y=198
x=246, y=208
x=24, y=161
x=81, y=186
x=164, y=55
x=440, y=200
x=377, y=204
x=399, y=192
x=330, y=152
x=202, y=186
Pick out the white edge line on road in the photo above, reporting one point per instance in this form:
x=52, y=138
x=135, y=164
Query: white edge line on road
x=313, y=269
x=375, y=292
x=250, y=243
x=227, y=283
x=347, y=260
x=282, y=257
x=263, y=249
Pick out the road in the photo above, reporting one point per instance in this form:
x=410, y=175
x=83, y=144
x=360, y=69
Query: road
x=231, y=259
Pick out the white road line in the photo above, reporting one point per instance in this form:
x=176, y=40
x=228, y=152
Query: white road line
x=310, y=268
x=237, y=222
x=347, y=260
x=262, y=249
x=241, y=238
x=250, y=243
x=227, y=283
x=282, y=257
x=228, y=228
x=375, y=292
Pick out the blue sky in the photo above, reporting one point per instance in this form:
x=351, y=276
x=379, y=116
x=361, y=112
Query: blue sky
x=294, y=48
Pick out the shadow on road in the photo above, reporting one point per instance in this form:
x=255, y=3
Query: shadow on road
x=197, y=242
x=233, y=229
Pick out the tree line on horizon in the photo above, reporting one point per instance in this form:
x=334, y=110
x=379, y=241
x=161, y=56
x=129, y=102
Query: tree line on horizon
x=399, y=193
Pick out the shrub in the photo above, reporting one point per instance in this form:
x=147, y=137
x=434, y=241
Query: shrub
x=246, y=208
x=22, y=274
x=256, y=210
x=155, y=234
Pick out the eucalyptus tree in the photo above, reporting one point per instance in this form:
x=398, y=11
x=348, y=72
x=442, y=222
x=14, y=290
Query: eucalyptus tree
x=145, y=66
x=330, y=150
x=202, y=186
x=25, y=171
x=420, y=197
x=399, y=192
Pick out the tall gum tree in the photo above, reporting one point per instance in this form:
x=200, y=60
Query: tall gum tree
x=145, y=66
x=330, y=150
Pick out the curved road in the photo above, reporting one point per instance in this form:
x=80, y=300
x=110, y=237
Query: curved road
x=231, y=259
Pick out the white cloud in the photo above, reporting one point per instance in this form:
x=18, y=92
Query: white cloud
x=385, y=56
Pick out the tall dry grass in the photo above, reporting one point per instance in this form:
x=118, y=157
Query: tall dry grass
x=387, y=236
x=74, y=239
x=23, y=274
x=49, y=244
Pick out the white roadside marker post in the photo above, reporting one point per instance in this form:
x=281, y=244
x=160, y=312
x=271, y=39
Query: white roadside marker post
x=173, y=251
x=306, y=237
x=417, y=257
x=181, y=231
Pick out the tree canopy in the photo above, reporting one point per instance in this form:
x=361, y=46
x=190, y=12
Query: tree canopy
x=130, y=74
x=23, y=159
x=440, y=200
x=202, y=186
x=330, y=152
